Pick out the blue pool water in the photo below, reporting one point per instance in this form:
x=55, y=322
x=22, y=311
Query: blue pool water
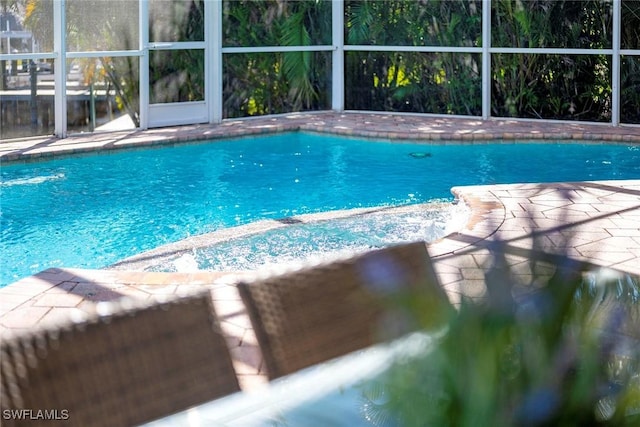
x=92, y=211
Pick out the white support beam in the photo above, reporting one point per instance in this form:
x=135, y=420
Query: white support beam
x=143, y=19
x=486, y=59
x=274, y=49
x=214, y=92
x=337, y=57
x=615, y=63
x=426, y=49
x=60, y=68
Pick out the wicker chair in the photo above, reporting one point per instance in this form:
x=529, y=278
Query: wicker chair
x=140, y=362
x=319, y=312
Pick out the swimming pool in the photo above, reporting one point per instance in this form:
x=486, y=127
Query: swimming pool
x=92, y=211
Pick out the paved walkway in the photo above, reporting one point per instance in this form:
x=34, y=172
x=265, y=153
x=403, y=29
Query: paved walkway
x=593, y=222
x=380, y=125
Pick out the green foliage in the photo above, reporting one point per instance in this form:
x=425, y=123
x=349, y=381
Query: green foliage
x=566, y=354
x=630, y=89
x=38, y=20
x=571, y=87
x=256, y=84
x=445, y=83
x=297, y=65
x=264, y=22
x=272, y=83
x=585, y=24
x=413, y=23
x=122, y=75
x=630, y=67
x=630, y=38
x=176, y=75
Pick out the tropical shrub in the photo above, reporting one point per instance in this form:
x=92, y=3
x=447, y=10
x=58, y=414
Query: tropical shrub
x=268, y=83
x=566, y=354
x=444, y=83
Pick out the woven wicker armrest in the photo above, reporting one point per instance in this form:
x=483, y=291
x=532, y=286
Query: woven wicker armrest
x=323, y=311
x=140, y=362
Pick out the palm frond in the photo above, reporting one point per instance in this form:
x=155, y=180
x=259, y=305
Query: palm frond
x=297, y=65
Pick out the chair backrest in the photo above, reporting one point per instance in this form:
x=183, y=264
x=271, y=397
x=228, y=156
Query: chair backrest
x=140, y=362
x=319, y=312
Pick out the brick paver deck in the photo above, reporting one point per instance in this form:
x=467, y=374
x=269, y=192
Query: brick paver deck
x=380, y=125
x=593, y=222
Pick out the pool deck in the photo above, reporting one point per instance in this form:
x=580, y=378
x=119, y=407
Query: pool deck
x=372, y=125
x=592, y=222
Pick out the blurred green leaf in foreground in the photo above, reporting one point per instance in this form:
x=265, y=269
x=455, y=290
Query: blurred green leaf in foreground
x=567, y=354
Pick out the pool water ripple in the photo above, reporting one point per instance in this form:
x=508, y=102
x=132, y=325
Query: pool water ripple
x=314, y=237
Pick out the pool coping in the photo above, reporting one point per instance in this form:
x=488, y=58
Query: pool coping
x=373, y=125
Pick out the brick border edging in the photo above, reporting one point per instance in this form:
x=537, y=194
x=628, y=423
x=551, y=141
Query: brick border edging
x=323, y=122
